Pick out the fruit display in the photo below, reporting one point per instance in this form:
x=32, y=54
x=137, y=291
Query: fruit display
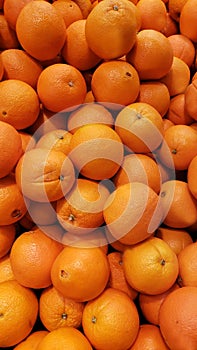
x=98, y=168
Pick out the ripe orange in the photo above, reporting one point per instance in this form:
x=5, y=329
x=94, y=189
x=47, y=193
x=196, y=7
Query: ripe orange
x=178, y=323
x=76, y=51
x=153, y=14
x=74, y=266
x=156, y=94
x=89, y=113
x=32, y=341
x=81, y=210
x=183, y=48
x=28, y=141
x=177, y=239
x=170, y=27
x=28, y=271
x=41, y=30
x=180, y=141
x=140, y=168
x=177, y=112
x=69, y=10
x=188, y=18
x=178, y=77
x=96, y=151
x=20, y=103
x=167, y=123
x=11, y=148
x=42, y=213
x=44, y=175
x=8, y=37
x=7, y=236
x=6, y=272
x=12, y=204
x=191, y=98
x=57, y=140
x=61, y=86
x=151, y=267
x=105, y=327
x=117, y=278
x=115, y=81
x=187, y=265
x=127, y=225
x=111, y=28
x=149, y=337
x=150, y=304
x=154, y=60
x=191, y=176
x=175, y=8
x=85, y=7
x=179, y=206
x=18, y=310
x=64, y=337
x=1, y=68
x=19, y=65
x=11, y=11
x=136, y=124
x=56, y=311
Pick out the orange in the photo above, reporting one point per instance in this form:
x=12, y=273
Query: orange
x=178, y=204
x=69, y=10
x=111, y=28
x=11, y=148
x=151, y=267
x=96, y=238
x=7, y=237
x=170, y=27
x=41, y=213
x=89, y=113
x=188, y=18
x=191, y=98
x=178, y=323
x=181, y=142
x=117, y=278
x=20, y=103
x=187, y=265
x=96, y=151
x=140, y=168
x=127, y=225
x=175, y=8
x=177, y=239
x=28, y=141
x=1, y=68
x=136, y=124
x=61, y=86
x=74, y=266
x=44, y=175
x=19, y=65
x=41, y=30
x=150, y=304
x=115, y=81
x=177, y=112
x=81, y=210
x=116, y=245
x=6, y=273
x=55, y=311
x=18, y=310
x=153, y=14
x=61, y=338
x=156, y=94
x=76, y=51
x=191, y=176
x=12, y=204
x=154, y=60
x=149, y=337
x=57, y=140
x=178, y=77
x=89, y=97
x=29, y=271
x=8, y=37
x=85, y=7
x=167, y=123
x=32, y=341
x=183, y=48
x=111, y=321
x=12, y=9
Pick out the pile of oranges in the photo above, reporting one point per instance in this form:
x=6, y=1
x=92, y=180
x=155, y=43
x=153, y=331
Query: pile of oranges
x=98, y=167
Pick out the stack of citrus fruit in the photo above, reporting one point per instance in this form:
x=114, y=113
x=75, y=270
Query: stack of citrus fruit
x=98, y=166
